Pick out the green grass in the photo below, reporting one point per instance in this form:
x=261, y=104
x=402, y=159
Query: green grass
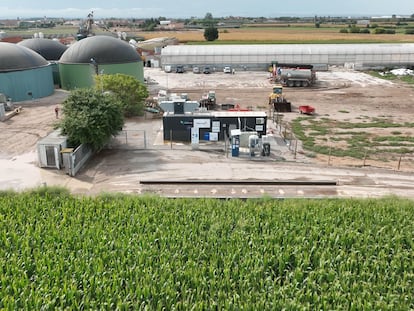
x=124, y=252
x=389, y=76
x=323, y=135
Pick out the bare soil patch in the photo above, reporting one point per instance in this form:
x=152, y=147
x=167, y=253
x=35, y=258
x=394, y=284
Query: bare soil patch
x=339, y=96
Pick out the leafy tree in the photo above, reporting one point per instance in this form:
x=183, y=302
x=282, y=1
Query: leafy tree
x=211, y=33
x=91, y=117
x=379, y=31
x=131, y=92
x=149, y=24
x=354, y=29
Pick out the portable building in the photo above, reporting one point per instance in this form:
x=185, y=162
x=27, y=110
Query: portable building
x=214, y=125
x=49, y=150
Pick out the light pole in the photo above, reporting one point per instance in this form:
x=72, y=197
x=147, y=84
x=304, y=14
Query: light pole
x=101, y=78
x=95, y=65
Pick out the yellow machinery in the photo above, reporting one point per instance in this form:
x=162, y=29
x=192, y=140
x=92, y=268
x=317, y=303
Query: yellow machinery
x=277, y=94
x=278, y=101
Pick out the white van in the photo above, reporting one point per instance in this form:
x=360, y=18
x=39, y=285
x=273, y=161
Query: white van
x=227, y=69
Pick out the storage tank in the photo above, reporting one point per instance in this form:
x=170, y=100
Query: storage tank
x=51, y=50
x=97, y=55
x=296, y=76
x=24, y=74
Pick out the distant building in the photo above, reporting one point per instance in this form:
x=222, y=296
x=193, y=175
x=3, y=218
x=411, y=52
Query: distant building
x=363, y=22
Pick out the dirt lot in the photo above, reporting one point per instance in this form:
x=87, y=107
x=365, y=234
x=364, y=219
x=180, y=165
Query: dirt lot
x=340, y=95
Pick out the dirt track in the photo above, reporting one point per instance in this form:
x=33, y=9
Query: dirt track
x=340, y=95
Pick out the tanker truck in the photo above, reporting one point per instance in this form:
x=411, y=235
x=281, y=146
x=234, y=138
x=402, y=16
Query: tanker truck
x=293, y=74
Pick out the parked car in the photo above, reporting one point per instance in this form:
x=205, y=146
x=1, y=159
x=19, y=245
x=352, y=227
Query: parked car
x=179, y=69
x=227, y=69
x=206, y=70
x=196, y=69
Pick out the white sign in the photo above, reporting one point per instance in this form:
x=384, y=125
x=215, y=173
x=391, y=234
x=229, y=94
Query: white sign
x=259, y=128
x=216, y=127
x=201, y=123
x=195, y=136
x=213, y=136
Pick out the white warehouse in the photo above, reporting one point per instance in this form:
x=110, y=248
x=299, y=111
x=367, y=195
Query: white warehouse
x=259, y=57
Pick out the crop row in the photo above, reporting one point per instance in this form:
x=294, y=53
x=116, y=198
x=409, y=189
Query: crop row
x=153, y=253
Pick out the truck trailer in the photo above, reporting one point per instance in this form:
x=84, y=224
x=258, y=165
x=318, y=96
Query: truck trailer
x=293, y=75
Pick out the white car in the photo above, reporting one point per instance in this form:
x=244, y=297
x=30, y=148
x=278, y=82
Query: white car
x=196, y=69
x=227, y=69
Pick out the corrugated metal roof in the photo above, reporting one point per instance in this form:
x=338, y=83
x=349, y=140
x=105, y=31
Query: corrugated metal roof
x=259, y=56
x=267, y=49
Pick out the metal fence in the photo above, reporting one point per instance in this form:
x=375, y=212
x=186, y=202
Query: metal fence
x=129, y=139
x=75, y=160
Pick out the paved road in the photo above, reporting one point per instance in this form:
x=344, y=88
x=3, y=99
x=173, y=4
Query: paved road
x=123, y=171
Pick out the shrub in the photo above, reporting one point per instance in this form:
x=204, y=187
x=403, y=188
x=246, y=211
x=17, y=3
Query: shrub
x=379, y=31
x=343, y=30
x=354, y=29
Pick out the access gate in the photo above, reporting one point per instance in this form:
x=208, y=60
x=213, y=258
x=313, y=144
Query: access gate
x=130, y=140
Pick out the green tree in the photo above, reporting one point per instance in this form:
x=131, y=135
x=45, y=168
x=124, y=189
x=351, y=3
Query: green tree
x=91, y=117
x=211, y=33
x=131, y=92
x=379, y=31
x=354, y=29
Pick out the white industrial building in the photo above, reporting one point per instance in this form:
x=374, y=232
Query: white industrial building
x=259, y=57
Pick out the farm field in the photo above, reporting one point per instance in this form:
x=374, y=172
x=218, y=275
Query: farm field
x=260, y=34
x=122, y=252
x=269, y=35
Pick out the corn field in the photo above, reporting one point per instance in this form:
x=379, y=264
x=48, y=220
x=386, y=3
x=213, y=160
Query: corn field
x=149, y=253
